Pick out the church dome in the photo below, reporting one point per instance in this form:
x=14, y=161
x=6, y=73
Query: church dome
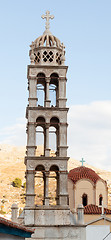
x=83, y=172
x=47, y=49
x=47, y=40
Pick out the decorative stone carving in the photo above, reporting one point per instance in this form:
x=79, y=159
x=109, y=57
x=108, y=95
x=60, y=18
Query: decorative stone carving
x=47, y=166
x=31, y=166
x=61, y=167
x=33, y=72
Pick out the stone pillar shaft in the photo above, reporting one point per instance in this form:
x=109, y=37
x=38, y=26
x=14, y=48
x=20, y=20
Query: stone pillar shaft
x=47, y=100
x=46, y=189
x=63, y=195
x=30, y=188
x=47, y=150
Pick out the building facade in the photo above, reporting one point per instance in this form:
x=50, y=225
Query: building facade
x=86, y=187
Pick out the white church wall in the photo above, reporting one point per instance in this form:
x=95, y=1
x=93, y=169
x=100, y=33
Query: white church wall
x=97, y=232
x=101, y=189
x=84, y=186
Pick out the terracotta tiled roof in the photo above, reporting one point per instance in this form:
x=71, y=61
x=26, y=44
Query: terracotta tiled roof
x=15, y=225
x=93, y=209
x=83, y=172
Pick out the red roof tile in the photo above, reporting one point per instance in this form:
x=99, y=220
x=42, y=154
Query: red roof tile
x=93, y=209
x=15, y=225
x=83, y=172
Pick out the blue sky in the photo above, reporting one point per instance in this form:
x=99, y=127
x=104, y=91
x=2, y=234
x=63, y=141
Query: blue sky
x=85, y=29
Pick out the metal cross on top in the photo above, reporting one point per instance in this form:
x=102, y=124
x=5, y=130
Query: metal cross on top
x=48, y=17
x=82, y=161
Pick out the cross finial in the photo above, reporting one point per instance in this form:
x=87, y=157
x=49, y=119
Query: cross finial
x=82, y=161
x=48, y=17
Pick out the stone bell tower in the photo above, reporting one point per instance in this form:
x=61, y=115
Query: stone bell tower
x=46, y=70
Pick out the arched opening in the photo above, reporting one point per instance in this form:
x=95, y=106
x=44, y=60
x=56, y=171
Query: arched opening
x=54, y=136
x=53, y=89
x=54, y=185
x=40, y=89
x=40, y=136
x=39, y=185
x=100, y=200
x=84, y=199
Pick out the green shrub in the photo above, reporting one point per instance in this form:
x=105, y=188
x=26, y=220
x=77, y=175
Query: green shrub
x=17, y=183
x=24, y=185
x=2, y=212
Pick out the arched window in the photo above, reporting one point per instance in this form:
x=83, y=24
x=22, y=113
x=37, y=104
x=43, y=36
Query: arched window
x=100, y=199
x=53, y=89
x=84, y=199
x=40, y=89
x=40, y=136
x=54, y=185
x=54, y=135
x=39, y=185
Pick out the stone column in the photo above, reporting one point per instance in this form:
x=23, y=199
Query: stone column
x=57, y=189
x=80, y=214
x=30, y=188
x=63, y=196
x=57, y=142
x=31, y=139
x=32, y=92
x=46, y=189
x=63, y=140
x=47, y=101
x=62, y=93
x=14, y=212
x=74, y=215
x=47, y=150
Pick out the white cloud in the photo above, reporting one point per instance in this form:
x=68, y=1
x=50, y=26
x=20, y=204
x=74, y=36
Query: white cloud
x=14, y=134
x=89, y=133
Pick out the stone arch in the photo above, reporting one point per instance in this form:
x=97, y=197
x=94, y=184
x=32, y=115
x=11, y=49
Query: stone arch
x=41, y=89
x=40, y=134
x=54, y=135
x=40, y=167
x=54, y=89
x=54, y=168
x=54, y=185
x=40, y=121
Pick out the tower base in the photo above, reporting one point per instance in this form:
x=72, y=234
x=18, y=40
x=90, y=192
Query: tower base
x=66, y=232
x=53, y=223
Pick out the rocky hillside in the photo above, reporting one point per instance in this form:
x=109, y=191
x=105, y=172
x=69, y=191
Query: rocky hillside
x=12, y=166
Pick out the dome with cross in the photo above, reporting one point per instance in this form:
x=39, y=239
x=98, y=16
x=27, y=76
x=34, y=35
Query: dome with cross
x=85, y=187
x=47, y=49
